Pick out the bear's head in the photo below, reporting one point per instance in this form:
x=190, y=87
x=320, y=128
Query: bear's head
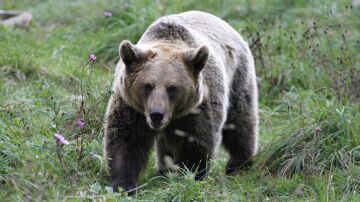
x=162, y=81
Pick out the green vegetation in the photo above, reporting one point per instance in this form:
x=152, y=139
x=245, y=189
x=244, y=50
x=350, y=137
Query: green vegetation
x=308, y=67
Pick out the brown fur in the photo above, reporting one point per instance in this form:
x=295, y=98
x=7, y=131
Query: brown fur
x=187, y=76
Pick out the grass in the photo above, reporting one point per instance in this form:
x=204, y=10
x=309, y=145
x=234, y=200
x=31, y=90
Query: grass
x=308, y=70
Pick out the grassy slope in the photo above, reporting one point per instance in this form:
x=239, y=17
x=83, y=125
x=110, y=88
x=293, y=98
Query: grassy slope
x=304, y=77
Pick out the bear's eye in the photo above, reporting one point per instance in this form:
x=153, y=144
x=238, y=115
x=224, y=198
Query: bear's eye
x=148, y=88
x=172, y=90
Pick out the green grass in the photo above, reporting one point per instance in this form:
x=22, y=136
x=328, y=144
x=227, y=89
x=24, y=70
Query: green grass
x=308, y=67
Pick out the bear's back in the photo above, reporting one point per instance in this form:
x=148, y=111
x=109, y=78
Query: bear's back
x=208, y=26
x=197, y=28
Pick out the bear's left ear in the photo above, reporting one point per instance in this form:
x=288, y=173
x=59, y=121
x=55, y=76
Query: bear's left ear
x=197, y=59
x=129, y=53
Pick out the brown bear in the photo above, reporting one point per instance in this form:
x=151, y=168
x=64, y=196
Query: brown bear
x=188, y=85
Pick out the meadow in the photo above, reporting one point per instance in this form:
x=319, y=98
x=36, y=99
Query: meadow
x=308, y=69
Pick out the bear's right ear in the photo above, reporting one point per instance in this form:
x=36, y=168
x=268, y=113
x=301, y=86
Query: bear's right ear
x=197, y=58
x=129, y=53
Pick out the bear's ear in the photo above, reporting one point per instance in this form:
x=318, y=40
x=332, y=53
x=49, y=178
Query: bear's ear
x=129, y=53
x=197, y=59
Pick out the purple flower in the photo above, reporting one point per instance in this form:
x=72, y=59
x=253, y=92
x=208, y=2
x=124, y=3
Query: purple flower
x=92, y=58
x=318, y=129
x=60, y=139
x=80, y=123
x=107, y=14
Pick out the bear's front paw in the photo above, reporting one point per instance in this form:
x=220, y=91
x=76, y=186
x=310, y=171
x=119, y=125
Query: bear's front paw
x=237, y=167
x=129, y=188
x=162, y=172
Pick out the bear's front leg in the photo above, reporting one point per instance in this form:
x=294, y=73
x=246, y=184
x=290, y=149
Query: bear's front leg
x=196, y=138
x=195, y=157
x=127, y=144
x=126, y=161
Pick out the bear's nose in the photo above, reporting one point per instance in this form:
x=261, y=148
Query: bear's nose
x=156, y=117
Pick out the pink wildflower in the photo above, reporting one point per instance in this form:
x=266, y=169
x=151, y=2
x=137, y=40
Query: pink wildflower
x=92, y=58
x=60, y=139
x=107, y=14
x=318, y=129
x=80, y=123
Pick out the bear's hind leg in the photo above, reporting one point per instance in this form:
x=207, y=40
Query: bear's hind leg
x=240, y=130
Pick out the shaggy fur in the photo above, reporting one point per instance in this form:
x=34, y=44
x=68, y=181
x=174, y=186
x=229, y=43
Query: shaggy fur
x=187, y=85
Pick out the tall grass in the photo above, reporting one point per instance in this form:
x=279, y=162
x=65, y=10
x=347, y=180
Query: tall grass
x=325, y=137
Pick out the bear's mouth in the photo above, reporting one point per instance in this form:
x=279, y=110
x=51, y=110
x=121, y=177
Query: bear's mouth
x=156, y=125
x=157, y=119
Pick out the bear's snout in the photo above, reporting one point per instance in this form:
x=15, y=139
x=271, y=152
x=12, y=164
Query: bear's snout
x=156, y=117
x=157, y=109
